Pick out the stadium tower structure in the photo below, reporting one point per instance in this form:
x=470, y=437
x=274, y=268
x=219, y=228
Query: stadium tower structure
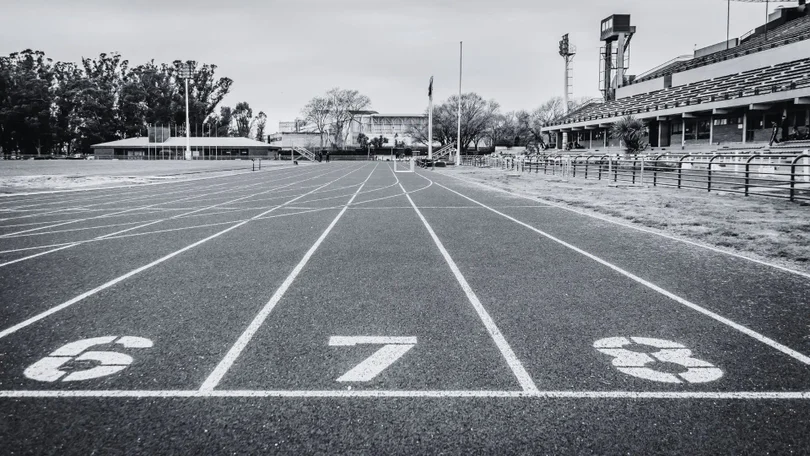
x=729, y=95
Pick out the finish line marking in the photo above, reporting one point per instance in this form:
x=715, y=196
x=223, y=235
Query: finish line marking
x=733, y=395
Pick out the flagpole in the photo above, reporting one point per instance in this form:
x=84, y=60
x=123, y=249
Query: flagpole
x=430, y=120
x=458, y=135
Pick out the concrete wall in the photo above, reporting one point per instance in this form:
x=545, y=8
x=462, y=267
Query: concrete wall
x=103, y=153
x=640, y=87
x=781, y=54
x=727, y=134
x=301, y=140
x=722, y=46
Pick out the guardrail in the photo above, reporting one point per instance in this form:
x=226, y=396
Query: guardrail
x=771, y=175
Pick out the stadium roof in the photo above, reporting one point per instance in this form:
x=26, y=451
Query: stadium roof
x=180, y=141
x=786, y=33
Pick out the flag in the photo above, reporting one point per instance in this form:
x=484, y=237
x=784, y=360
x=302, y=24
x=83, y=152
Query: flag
x=430, y=88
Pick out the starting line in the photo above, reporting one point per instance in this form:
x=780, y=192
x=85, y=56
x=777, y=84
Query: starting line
x=734, y=395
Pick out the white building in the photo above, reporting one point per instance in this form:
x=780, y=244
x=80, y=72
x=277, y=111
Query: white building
x=394, y=127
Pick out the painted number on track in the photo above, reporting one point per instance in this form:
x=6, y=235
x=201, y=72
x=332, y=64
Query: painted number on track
x=48, y=369
x=392, y=349
x=637, y=363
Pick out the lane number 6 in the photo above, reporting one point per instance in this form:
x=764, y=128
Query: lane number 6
x=48, y=369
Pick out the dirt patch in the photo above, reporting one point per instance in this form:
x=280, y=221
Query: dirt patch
x=769, y=229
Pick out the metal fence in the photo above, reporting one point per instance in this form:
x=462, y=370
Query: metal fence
x=772, y=175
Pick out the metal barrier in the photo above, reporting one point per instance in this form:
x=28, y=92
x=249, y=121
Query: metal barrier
x=771, y=175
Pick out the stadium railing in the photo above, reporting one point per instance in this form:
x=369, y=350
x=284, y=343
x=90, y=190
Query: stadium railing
x=771, y=175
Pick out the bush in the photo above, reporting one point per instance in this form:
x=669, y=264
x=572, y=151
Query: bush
x=631, y=132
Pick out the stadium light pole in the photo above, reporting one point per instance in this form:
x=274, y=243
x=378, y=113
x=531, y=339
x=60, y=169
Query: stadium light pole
x=185, y=73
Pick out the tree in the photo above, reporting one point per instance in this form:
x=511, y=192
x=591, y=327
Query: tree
x=377, y=143
x=362, y=140
x=25, y=111
x=477, y=117
x=224, y=122
x=205, y=91
x=261, y=124
x=553, y=110
x=344, y=106
x=243, y=119
x=317, y=113
x=632, y=132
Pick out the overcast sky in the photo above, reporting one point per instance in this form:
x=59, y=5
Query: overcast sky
x=282, y=53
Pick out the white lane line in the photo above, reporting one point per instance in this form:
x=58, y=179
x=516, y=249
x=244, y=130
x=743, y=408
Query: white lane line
x=84, y=200
x=141, y=208
x=153, y=222
x=749, y=332
x=222, y=368
x=349, y=341
x=512, y=360
x=110, y=200
x=668, y=395
x=170, y=230
x=84, y=295
x=182, y=181
x=638, y=228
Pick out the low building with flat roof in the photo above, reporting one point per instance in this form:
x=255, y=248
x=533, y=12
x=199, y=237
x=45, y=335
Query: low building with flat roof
x=174, y=147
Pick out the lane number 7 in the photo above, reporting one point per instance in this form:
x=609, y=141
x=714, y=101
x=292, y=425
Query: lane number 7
x=392, y=349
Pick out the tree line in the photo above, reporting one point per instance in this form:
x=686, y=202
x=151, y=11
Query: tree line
x=49, y=107
x=482, y=122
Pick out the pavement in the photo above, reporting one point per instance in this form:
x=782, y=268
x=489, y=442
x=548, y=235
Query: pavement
x=347, y=308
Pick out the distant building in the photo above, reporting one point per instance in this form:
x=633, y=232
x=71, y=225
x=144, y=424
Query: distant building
x=158, y=145
x=394, y=127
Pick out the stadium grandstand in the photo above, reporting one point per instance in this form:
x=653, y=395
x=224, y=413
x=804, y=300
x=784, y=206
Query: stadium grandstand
x=734, y=94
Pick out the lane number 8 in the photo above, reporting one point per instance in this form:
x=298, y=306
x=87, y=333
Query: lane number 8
x=637, y=363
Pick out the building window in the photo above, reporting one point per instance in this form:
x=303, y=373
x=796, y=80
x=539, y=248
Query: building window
x=690, y=127
x=677, y=127
x=704, y=129
x=729, y=121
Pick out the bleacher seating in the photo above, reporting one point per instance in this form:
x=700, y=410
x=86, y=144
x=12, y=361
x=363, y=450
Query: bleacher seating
x=777, y=78
x=790, y=32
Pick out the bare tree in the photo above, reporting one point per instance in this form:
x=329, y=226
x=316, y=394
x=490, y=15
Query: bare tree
x=344, y=106
x=553, y=110
x=317, y=113
x=477, y=116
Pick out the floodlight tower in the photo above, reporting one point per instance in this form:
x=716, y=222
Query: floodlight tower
x=614, y=62
x=185, y=73
x=567, y=52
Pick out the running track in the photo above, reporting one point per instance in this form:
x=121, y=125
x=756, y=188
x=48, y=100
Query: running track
x=343, y=307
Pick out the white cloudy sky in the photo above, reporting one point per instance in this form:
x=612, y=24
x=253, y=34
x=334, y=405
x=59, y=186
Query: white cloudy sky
x=282, y=53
